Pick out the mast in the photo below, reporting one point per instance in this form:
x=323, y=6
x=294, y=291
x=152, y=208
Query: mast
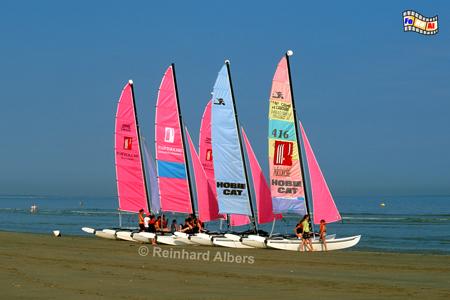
x=288, y=54
x=180, y=118
x=140, y=146
x=227, y=63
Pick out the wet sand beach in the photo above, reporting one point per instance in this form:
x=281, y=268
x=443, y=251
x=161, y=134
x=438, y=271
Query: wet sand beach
x=34, y=266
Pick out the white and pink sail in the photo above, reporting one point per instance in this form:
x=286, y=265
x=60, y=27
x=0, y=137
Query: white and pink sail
x=131, y=187
x=323, y=203
x=171, y=165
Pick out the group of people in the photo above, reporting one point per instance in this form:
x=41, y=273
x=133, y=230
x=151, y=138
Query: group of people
x=151, y=223
x=303, y=231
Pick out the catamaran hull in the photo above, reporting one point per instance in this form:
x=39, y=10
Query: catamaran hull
x=109, y=234
x=125, y=236
x=143, y=237
x=296, y=245
x=171, y=240
x=253, y=243
x=229, y=243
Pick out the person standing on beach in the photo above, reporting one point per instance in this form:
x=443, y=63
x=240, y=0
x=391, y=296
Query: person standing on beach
x=323, y=234
x=141, y=220
x=306, y=234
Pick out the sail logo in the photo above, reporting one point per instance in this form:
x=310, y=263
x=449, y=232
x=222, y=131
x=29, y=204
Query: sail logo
x=208, y=155
x=277, y=95
x=127, y=143
x=220, y=101
x=283, y=153
x=126, y=127
x=231, y=188
x=413, y=21
x=169, y=135
x=281, y=172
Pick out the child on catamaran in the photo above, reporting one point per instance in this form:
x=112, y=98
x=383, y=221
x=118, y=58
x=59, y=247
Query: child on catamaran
x=323, y=233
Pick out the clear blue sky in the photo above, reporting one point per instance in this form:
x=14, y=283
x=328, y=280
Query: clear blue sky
x=374, y=100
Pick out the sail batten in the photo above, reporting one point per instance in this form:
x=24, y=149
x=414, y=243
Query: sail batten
x=173, y=182
x=130, y=177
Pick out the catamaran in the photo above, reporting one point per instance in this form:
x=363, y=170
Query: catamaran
x=174, y=181
x=132, y=191
x=287, y=171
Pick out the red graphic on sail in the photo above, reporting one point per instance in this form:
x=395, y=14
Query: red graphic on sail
x=127, y=143
x=283, y=153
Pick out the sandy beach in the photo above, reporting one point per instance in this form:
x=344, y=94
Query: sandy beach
x=42, y=267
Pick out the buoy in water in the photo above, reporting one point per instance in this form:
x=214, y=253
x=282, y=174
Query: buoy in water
x=382, y=204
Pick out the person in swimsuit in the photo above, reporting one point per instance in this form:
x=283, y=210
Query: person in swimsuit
x=187, y=227
x=306, y=234
x=174, y=226
x=323, y=234
x=298, y=230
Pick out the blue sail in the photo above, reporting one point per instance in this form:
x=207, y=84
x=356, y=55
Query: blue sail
x=232, y=191
x=153, y=180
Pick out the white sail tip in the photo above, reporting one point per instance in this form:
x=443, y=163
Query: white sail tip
x=290, y=53
x=130, y=81
x=227, y=61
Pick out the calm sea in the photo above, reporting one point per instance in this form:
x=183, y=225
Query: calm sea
x=403, y=224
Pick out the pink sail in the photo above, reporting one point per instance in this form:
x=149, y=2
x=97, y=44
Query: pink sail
x=262, y=189
x=323, y=203
x=131, y=189
x=171, y=165
x=206, y=199
x=206, y=158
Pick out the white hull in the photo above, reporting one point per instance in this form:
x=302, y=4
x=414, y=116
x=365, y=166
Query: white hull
x=253, y=243
x=106, y=234
x=125, y=236
x=229, y=243
x=332, y=244
x=171, y=240
x=143, y=237
x=201, y=241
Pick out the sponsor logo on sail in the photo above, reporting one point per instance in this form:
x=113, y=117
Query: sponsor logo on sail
x=287, y=186
x=126, y=127
x=277, y=95
x=231, y=188
x=209, y=155
x=219, y=101
x=169, y=135
x=127, y=143
x=281, y=172
x=283, y=153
